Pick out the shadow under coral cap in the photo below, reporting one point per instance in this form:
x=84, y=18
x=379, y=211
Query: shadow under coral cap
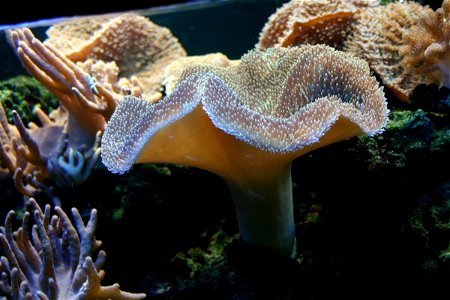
x=247, y=122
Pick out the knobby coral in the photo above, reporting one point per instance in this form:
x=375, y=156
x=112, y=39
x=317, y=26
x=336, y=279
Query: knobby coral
x=427, y=46
x=377, y=38
x=247, y=122
x=311, y=22
x=56, y=261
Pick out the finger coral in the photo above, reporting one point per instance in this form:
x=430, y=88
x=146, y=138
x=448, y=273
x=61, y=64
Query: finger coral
x=377, y=38
x=87, y=101
x=311, y=22
x=247, y=122
x=56, y=261
x=37, y=153
x=427, y=46
x=87, y=64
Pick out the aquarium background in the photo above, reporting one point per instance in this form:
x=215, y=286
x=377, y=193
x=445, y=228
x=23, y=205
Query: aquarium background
x=372, y=214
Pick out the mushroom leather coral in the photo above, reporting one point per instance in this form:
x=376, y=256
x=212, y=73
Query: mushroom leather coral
x=311, y=22
x=247, y=122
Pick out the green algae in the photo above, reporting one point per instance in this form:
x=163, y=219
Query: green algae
x=409, y=136
x=23, y=94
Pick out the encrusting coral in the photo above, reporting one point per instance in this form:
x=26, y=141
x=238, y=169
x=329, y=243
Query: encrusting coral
x=54, y=259
x=377, y=38
x=247, y=122
x=427, y=46
x=311, y=22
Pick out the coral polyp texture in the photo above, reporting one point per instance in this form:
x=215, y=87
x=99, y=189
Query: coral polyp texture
x=139, y=47
x=377, y=38
x=87, y=64
x=427, y=46
x=279, y=100
x=311, y=22
x=54, y=259
x=247, y=122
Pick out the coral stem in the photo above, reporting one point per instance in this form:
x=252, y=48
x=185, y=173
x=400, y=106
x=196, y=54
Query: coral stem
x=265, y=212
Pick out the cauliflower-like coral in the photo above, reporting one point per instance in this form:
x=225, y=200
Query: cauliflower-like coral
x=427, y=46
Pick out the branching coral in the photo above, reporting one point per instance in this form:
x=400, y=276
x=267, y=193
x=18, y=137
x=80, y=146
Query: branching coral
x=427, y=46
x=311, y=22
x=66, y=146
x=37, y=153
x=53, y=259
x=105, y=47
x=88, y=102
x=377, y=38
x=247, y=123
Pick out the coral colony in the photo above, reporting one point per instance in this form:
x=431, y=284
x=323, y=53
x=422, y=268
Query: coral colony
x=127, y=84
x=252, y=119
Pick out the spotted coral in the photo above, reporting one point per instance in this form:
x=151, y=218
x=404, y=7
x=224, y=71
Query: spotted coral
x=56, y=262
x=247, y=122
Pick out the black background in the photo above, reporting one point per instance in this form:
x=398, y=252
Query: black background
x=14, y=11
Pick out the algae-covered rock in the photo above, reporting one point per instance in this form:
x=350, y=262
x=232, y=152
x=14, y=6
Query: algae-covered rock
x=23, y=94
x=411, y=137
x=430, y=225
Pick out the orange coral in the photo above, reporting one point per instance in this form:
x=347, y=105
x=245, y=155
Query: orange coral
x=247, y=122
x=36, y=153
x=65, y=148
x=377, y=38
x=427, y=49
x=139, y=47
x=88, y=102
x=174, y=70
x=311, y=22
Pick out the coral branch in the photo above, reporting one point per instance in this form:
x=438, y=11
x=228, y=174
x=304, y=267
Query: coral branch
x=57, y=262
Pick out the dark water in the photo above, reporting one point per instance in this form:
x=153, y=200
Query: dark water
x=230, y=27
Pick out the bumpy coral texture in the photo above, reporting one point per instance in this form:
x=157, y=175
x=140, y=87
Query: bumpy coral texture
x=311, y=22
x=278, y=100
x=139, y=47
x=377, y=38
x=427, y=49
x=56, y=262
